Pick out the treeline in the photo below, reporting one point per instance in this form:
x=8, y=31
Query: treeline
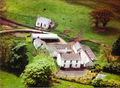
x=13, y=52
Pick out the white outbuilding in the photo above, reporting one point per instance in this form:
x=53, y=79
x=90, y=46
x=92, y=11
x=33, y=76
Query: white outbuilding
x=44, y=36
x=38, y=42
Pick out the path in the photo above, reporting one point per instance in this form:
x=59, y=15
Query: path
x=30, y=30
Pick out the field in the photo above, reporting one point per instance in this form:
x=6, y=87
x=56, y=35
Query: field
x=69, y=17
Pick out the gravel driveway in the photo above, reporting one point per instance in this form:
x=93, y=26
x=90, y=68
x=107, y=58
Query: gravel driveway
x=72, y=72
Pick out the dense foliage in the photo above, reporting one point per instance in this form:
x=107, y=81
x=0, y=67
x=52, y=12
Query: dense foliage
x=5, y=48
x=116, y=47
x=111, y=68
x=101, y=15
x=38, y=74
x=18, y=57
x=98, y=82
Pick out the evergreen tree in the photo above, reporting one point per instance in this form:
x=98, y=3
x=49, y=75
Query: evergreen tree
x=116, y=47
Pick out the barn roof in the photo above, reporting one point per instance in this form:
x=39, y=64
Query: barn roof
x=58, y=47
x=89, y=52
x=70, y=57
x=38, y=42
x=43, y=36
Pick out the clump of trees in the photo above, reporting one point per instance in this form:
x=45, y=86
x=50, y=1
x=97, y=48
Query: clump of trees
x=101, y=16
x=38, y=73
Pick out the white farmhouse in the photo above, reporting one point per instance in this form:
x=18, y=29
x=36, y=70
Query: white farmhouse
x=69, y=60
x=44, y=23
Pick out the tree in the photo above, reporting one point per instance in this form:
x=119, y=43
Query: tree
x=38, y=74
x=3, y=8
x=116, y=47
x=101, y=15
x=18, y=57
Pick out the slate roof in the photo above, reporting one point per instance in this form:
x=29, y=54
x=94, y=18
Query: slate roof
x=43, y=36
x=78, y=46
x=89, y=52
x=70, y=57
x=43, y=20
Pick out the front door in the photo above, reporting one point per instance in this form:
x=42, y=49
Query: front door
x=70, y=65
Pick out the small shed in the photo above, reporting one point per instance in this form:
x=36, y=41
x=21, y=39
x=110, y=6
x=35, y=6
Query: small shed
x=44, y=23
x=38, y=42
x=44, y=36
x=100, y=75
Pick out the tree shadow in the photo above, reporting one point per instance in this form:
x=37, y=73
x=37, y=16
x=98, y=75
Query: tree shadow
x=107, y=31
x=14, y=71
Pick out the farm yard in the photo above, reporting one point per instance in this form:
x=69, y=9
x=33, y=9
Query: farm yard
x=72, y=20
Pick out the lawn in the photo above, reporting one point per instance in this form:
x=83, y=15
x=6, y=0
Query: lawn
x=68, y=16
x=69, y=84
x=10, y=80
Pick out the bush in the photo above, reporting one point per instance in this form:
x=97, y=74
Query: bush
x=112, y=68
x=98, y=82
x=38, y=74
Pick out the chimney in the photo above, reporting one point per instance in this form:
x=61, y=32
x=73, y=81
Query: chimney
x=66, y=49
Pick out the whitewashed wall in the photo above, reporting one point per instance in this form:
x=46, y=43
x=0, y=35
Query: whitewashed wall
x=59, y=60
x=74, y=49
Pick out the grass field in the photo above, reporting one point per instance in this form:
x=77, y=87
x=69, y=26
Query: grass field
x=10, y=80
x=68, y=16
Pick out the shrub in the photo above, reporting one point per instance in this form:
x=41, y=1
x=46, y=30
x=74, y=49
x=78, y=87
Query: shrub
x=96, y=82
x=38, y=74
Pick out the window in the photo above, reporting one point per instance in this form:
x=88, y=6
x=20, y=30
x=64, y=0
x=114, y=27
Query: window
x=45, y=25
x=38, y=23
x=70, y=61
x=64, y=61
x=76, y=65
x=76, y=61
x=64, y=65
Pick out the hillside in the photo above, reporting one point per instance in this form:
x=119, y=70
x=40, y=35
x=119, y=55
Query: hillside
x=68, y=16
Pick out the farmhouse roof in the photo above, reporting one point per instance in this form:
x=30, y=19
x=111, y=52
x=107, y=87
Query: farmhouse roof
x=43, y=36
x=43, y=20
x=77, y=45
x=70, y=57
x=89, y=52
x=38, y=42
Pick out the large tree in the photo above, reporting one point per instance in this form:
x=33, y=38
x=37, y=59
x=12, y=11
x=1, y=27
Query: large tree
x=116, y=47
x=3, y=8
x=101, y=15
x=18, y=57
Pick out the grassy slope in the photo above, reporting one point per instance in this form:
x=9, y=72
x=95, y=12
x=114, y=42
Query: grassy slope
x=58, y=10
x=10, y=80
